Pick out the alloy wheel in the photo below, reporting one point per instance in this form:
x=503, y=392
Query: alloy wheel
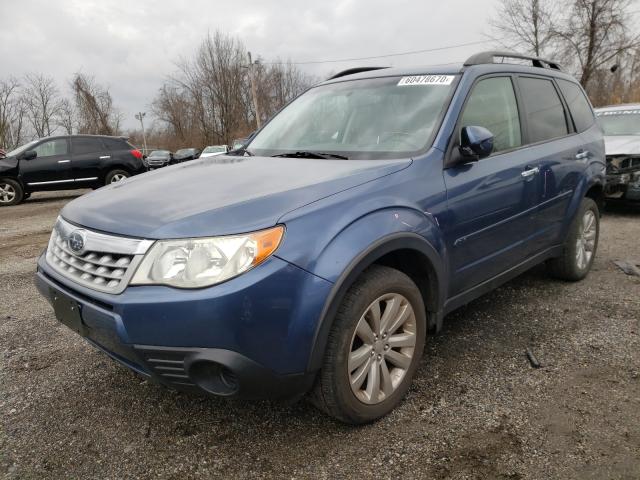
x=382, y=348
x=586, y=239
x=7, y=193
x=118, y=177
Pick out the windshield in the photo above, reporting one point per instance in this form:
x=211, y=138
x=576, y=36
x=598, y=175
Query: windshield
x=159, y=153
x=214, y=150
x=21, y=149
x=620, y=122
x=373, y=118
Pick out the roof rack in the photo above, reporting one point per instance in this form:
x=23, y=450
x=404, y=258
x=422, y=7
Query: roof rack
x=351, y=71
x=489, y=57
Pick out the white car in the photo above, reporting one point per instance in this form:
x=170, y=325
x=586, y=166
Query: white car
x=214, y=150
x=621, y=126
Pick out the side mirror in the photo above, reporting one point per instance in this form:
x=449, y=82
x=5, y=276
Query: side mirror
x=475, y=142
x=29, y=155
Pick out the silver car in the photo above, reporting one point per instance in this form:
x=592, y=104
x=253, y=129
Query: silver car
x=621, y=126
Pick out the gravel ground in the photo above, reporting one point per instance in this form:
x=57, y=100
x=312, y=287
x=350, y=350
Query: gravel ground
x=477, y=408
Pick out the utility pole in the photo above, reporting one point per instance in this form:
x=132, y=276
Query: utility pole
x=254, y=92
x=140, y=116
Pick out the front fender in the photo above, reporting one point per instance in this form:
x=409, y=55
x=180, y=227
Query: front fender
x=366, y=240
x=9, y=168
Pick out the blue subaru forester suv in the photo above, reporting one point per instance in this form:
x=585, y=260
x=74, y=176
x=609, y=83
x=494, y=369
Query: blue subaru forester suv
x=316, y=258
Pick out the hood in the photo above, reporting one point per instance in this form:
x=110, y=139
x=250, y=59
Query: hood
x=622, y=144
x=219, y=195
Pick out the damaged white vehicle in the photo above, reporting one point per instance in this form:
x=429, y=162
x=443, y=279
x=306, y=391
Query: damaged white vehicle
x=621, y=126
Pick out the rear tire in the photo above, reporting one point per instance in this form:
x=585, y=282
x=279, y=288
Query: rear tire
x=580, y=247
x=11, y=192
x=115, y=176
x=374, y=347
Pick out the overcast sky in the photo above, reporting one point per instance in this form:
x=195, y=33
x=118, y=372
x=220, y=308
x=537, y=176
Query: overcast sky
x=132, y=45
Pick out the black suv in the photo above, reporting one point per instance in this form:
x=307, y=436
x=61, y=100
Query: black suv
x=66, y=163
x=185, y=154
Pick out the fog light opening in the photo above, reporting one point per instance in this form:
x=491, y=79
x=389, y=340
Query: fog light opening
x=214, y=378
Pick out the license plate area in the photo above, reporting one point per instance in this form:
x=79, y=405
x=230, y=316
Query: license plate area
x=68, y=312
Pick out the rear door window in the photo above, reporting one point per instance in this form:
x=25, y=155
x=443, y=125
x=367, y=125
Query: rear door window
x=543, y=108
x=84, y=145
x=578, y=105
x=492, y=105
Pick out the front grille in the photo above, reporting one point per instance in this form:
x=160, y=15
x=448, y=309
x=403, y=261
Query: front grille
x=156, y=163
x=167, y=364
x=102, y=262
x=96, y=268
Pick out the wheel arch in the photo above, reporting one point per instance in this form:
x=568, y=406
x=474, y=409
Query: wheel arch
x=15, y=178
x=589, y=187
x=409, y=253
x=113, y=168
x=596, y=193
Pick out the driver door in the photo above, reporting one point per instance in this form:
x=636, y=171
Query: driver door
x=52, y=165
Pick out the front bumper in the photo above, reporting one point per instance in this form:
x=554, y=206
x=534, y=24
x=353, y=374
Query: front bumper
x=249, y=337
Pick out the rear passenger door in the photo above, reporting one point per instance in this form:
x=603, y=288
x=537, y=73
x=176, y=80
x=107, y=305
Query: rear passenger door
x=554, y=143
x=87, y=155
x=490, y=201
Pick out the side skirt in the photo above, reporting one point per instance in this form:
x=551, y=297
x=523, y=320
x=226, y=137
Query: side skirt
x=491, y=284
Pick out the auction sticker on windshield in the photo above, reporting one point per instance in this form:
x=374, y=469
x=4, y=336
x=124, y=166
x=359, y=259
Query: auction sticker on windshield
x=426, y=80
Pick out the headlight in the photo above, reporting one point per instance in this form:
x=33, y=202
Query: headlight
x=202, y=262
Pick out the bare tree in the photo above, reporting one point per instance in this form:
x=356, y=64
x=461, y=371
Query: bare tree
x=279, y=83
x=619, y=83
x=172, y=107
x=12, y=113
x=65, y=117
x=593, y=33
x=43, y=103
x=526, y=25
x=209, y=100
x=94, y=107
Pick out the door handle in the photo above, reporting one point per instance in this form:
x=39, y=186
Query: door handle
x=582, y=154
x=64, y=161
x=530, y=172
x=105, y=157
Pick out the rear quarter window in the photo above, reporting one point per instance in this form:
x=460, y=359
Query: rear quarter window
x=578, y=104
x=116, y=144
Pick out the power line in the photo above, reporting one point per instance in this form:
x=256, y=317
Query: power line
x=382, y=56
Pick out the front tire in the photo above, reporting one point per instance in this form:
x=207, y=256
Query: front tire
x=374, y=347
x=115, y=176
x=580, y=248
x=11, y=192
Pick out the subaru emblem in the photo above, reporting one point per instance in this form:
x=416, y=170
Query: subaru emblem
x=76, y=241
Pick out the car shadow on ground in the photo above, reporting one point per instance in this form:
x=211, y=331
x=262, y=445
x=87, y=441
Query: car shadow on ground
x=619, y=208
x=191, y=413
x=54, y=197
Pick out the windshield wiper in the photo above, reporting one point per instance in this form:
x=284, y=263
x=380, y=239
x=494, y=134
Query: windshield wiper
x=307, y=154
